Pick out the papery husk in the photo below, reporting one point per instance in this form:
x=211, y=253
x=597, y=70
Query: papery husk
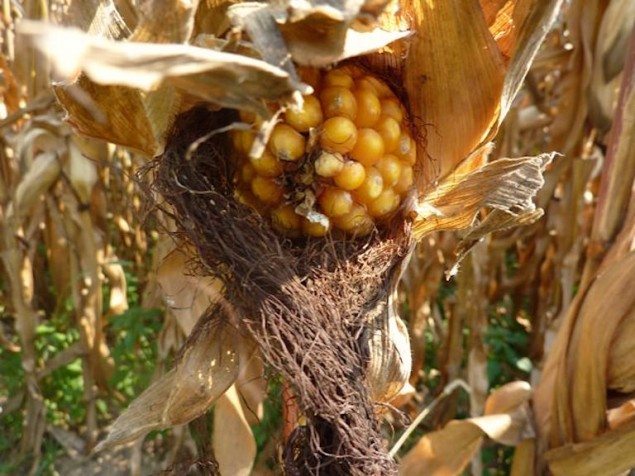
x=207, y=367
x=449, y=450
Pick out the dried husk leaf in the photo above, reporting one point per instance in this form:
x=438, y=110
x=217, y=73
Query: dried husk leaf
x=233, y=441
x=609, y=454
x=207, y=368
x=506, y=186
x=449, y=450
x=457, y=94
x=111, y=113
x=186, y=295
x=621, y=415
x=82, y=171
x=523, y=463
x=390, y=360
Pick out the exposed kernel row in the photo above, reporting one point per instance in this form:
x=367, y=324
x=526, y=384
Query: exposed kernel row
x=359, y=170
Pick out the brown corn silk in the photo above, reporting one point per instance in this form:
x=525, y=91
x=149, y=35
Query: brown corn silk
x=310, y=305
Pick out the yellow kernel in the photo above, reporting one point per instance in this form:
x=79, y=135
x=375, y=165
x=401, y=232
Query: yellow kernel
x=353, y=71
x=329, y=164
x=371, y=188
x=368, y=108
x=366, y=83
x=338, y=101
x=391, y=108
x=313, y=228
x=335, y=202
x=405, y=180
x=369, y=147
x=310, y=115
x=266, y=190
x=267, y=165
x=386, y=203
x=339, y=134
x=286, y=220
x=286, y=143
x=351, y=176
x=389, y=131
x=247, y=172
x=357, y=221
x=338, y=77
x=243, y=141
x=407, y=149
x=389, y=167
x=381, y=88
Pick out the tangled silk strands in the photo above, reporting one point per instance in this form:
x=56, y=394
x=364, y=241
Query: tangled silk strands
x=309, y=304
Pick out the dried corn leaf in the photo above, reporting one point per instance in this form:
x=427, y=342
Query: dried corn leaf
x=278, y=39
x=207, y=368
x=447, y=451
x=42, y=173
x=233, y=441
x=609, y=454
x=234, y=79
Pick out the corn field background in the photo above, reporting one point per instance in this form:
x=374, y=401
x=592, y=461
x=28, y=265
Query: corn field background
x=522, y=362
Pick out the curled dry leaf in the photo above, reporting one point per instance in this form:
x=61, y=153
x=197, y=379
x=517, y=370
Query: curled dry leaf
x=505, y=186
x=207, y=368
x=447, y=451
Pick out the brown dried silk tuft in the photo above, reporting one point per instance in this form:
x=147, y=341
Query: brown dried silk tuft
x=310, y=305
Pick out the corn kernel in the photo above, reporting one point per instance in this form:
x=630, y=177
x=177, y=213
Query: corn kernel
x=369, y=147
x=310, y=115
x=247, y=172
x=339, y=134
x=390, y=132
x=386, y=203
x=407, y=149
x=390, y=107
x=338, y=77
x=329, y=164
x=243, y=141
x=405, y=180
x=286, y=220
x=267, y=165
x=389, y=167
x=314, y=229
x=368, y=108
x=335, y=202
x=365, y=83
x=370, y=189
x=381, y=89
x=338, y=101
x=286, y=143
x=266, y=190
x=351, y=176
x=355, y=222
